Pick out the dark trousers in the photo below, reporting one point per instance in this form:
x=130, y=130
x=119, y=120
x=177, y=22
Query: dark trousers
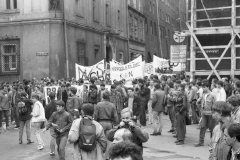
x=4, y=113
x=142, y=115
x=206, y=122
x=16, y=115
x=195, y=113
x=181, y=125
x=28, y=132
x=171, y=114
x=61, y=144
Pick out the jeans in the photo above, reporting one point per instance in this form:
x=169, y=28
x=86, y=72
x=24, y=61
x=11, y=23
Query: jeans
x=28, y=132
x=172, y=117
x=150, y=115
x=181, y=125
x=53, y=140
x=195, y=114
x=16, y=115
x=157, y=121
x=37, y=132
x=4, y=113
x=206, y=122
x=61, y=144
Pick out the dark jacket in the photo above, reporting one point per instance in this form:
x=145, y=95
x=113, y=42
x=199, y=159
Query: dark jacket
x=63, y=120
x=73, y=103
x=106, y=111
x=28, y=104
x=158, y=100
x=92, y=95
x=50, y=108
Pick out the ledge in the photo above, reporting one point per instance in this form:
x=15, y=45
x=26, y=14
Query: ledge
x=10, y=11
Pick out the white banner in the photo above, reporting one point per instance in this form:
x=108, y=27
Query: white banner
x=87, y=72
x=129, y=71
x=159, y=63
x=48, y=90
x=148, y=69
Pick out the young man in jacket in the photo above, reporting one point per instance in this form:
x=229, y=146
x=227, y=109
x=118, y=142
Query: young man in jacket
x=61, y=122
x=207, y=101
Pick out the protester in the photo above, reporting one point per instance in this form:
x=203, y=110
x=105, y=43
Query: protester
x=221, y=94
x=219, y=150
x=207, y=101
x=234, y=141
x=170, y=108
x=180, y=104
x=158, y=109
x=97, y=141
x=73, y=102
x=25, y=110
x=61, y=122
x=4, y=105
x=144, y=94
x=116, y=99
x=38, y=119
x=92, y=94
x=105, y=113
x=49, y=110
x=234, y=101
x=150, y=114
x=125, y=151
x=139, y=135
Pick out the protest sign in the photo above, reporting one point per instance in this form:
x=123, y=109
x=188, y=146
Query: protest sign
x=159, y=63
x=48, y=90
x=87, y=72
x=129, y=71
x=148, y=69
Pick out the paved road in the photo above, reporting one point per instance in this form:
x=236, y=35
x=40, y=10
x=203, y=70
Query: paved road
x=157, y=148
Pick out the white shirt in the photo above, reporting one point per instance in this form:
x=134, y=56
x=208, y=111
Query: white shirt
x=221, y=95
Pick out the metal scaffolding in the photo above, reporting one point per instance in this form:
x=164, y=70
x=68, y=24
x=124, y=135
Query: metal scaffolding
x=207, y=22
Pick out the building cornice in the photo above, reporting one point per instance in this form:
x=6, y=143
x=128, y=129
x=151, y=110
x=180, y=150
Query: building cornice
x=100, y=30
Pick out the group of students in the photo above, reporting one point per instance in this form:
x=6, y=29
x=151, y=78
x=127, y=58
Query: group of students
x=116, y=115
x=98, y=129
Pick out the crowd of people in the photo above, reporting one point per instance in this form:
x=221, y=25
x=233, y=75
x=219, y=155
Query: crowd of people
x=110, y=123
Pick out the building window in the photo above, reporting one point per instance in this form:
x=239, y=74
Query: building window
x=119, y=19
x=79, y=8
x=107, y=15
x=81, y=53
x=121, y=58
x=11, y=4
x=155, y=28
x=96, y=51
x=95, y=10
x=136, y=28
x=9, y=57
x=150, y=6
x=153, y=7
x=54, y=4
x=151, y=27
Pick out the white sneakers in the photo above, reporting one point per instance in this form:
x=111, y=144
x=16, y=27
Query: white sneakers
x=40, y=147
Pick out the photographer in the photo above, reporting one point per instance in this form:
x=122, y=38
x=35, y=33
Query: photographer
x=139, y=136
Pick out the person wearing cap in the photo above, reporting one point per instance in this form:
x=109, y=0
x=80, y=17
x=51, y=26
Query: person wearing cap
x=25, y=118
x=73, y=102
x=61, y=122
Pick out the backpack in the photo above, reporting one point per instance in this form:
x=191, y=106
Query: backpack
x=87, y=135
x=22, y=108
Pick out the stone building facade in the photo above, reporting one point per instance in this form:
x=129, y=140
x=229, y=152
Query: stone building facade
x=45, y=38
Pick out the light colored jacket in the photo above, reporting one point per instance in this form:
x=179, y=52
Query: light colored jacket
x=97, y=153
x=38, y=112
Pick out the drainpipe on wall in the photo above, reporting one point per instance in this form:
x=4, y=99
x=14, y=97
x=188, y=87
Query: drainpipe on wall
x=159, y=33
x=129, y=56
x=65, y=40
